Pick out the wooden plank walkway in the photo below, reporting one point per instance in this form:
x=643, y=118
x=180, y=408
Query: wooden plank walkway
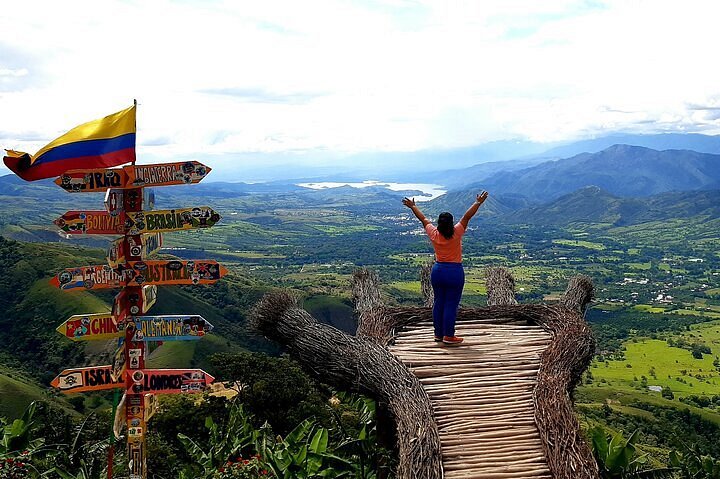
x=481, y=392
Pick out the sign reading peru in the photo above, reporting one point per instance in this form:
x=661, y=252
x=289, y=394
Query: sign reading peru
x=170, y=220
x=93, y=180
x=168, y=381
x=91, y=223
x=86, y=327
x=78, y=380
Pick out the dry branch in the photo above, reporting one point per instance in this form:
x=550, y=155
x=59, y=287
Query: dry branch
x=363, y=365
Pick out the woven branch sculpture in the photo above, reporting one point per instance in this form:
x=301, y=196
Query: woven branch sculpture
x=363, y=363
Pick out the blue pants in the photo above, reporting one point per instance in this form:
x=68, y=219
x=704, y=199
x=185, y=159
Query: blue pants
x=447, y=281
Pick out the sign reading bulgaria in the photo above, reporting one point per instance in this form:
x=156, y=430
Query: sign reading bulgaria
x=78, y=380
x=169, y=327
x=131, y=176
x=168, y=381
x=170, y=220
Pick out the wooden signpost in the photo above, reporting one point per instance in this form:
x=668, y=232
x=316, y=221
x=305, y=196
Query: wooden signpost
x=128, y=212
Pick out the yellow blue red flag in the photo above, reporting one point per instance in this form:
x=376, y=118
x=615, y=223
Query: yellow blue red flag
x=102, y=143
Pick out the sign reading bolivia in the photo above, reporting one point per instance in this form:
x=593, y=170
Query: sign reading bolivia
x=131, y=176
x=137, y=246
x=168, y=381
x=140, y=273
x=170, y=220
x=91, y=223
x=175, y=272
x=169, y=327
x=86, y=327
x=78, y=380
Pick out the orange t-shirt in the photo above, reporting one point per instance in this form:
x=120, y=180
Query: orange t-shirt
x=446, y=250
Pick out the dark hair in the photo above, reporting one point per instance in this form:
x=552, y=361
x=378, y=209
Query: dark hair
x=445, y=225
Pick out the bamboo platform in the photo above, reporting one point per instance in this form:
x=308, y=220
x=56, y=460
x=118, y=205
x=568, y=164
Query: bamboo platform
x=482, y=396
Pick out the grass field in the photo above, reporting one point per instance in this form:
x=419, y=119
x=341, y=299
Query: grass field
x=580, y=244
x=673, y=367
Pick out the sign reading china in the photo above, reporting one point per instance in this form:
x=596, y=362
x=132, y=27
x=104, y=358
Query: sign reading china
x=170, y=220
x=101, y=179
x=78, y=380
x=168, y=381
x=90, y=223
x=86, y=327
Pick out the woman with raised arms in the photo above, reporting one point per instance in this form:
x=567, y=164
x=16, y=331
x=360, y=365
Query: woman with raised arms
x=447, y=277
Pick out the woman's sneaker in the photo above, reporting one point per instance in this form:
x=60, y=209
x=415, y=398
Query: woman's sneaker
x=438, y=339
x=452, y=340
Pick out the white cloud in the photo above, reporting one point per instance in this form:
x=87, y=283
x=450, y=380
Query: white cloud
x=342, y=76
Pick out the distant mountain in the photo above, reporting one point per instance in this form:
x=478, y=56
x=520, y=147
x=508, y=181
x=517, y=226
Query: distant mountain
x=664, y=141
x=621, y=170
x=594, y=205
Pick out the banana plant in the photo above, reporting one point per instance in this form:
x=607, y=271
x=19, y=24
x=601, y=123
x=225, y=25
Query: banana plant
x=617, y=459
x=224, y=443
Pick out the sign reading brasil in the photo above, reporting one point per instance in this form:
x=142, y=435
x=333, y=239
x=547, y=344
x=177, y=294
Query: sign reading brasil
x=132, y=176
x=139, y=273
x=170, y=220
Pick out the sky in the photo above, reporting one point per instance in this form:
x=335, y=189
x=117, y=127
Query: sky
x=251, y=83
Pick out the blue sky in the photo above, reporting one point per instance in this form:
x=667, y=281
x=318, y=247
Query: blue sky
x=249, y=83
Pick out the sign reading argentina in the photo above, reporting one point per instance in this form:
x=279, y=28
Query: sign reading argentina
x=170, y=328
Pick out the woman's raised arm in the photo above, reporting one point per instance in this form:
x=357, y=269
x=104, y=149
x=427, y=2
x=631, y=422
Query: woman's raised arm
x=410, y=203
x=479, y=200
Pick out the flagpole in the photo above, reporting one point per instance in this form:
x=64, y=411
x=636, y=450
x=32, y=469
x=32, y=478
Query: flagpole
x=135, y=104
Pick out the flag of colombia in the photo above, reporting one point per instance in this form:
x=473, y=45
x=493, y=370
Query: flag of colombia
x=102, y=143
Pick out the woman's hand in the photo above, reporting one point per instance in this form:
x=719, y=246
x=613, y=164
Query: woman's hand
x=481, y=197
x=408, y=202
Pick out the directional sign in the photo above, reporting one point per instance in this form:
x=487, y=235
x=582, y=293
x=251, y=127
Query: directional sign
x=118, y=365
x=169, y=327
x=170, y=220
x=134, y=301
x=91, y=223
x=133, y=248
x=118, y=200
x=86, y=327
x=93, y=180
x=77, y=380
x=166, y=174
x=175, y=272
x=91, y=277
x=168, y=381
x=151, y=405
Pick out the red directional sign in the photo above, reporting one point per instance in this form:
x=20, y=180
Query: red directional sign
x=78, y=380
x=91, y=223
x=132, y=176
x=91, y=277
x=138, y=273
x=176, y=272
x=168, y=381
